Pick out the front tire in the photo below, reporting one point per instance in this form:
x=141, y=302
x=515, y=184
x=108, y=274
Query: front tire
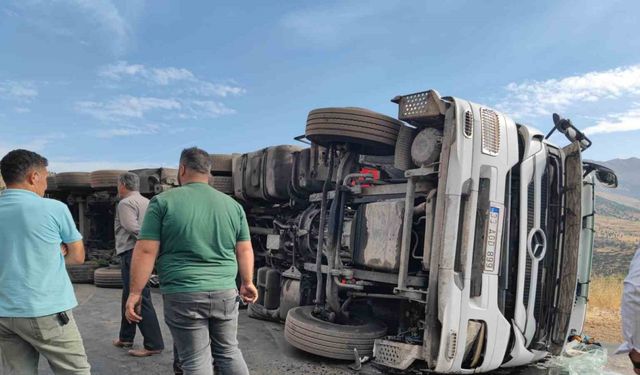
x=331, y=340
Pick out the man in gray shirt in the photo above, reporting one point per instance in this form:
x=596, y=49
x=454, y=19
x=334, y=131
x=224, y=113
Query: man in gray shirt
x=129, y=215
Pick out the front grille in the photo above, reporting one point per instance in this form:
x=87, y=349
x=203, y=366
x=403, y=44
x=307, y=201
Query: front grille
x=527, y=282
x=530, y=219
x=544, y=196
x=490, y=132
x=531, y=206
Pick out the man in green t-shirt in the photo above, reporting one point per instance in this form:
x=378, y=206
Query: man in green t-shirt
x=201, y=240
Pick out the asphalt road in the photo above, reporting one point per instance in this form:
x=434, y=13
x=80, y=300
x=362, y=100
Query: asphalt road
x=262, y=343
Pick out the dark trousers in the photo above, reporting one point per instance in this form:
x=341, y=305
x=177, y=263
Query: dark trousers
x=149, y=326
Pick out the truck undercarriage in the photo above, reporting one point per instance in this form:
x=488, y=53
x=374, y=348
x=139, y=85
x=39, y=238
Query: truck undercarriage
x=450, y=238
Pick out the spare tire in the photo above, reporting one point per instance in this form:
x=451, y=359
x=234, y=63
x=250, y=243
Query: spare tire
x=221, y=163
x=368, y=132
x=105, y=179
x=71, y=180
x=108, y=277
x=306, y=332
x=82, y=273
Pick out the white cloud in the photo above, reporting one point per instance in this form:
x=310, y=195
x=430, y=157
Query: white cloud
x=37, y=144
x=541, y=98
x=126, y=107
x=216, y=89
x=18, y=90
x=59, y=166
x=159, y=76
x=208, y=109
x=178, y=94
x=621, y=122
x=22, y=110
x=121, y=69
x=166, y=76
x=122, y=131
x=107, y=17
x=121, y=111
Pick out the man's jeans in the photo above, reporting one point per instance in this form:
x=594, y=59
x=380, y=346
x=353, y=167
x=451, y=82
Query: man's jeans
x=205, y=324
x=149, y=326
x=22, y=340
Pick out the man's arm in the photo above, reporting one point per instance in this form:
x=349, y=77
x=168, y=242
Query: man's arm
x=128, y=218
x=73, y=252
x=142, y=261
x=244, y=255
x=72, y=247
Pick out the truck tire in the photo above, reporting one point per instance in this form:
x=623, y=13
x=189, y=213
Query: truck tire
x=331, y=340
x=82, y=273
x=223, y=184
x=221, y=164
x=370, y=133
x=105, y=179
x=108, y=277
x=73, y=180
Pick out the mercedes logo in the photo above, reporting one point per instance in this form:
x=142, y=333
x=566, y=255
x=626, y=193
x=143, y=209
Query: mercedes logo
x=537, y=243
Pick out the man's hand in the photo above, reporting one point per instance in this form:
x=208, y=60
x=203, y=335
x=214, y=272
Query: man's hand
x=132, y=308
x=248, y=293
x=64, y=249
x=244, y=254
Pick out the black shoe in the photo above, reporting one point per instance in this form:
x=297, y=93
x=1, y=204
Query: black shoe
x=177, y=369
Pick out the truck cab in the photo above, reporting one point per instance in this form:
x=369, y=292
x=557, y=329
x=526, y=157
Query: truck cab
x=449, y=236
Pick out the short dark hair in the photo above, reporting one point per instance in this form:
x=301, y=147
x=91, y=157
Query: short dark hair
x=196, y=159
x=15, y=165
x=130, y=181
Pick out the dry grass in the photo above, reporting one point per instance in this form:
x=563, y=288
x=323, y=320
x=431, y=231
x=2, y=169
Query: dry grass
x=605, y=292
x=603, y=313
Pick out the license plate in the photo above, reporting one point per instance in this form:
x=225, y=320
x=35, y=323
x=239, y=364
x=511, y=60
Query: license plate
x=493, y=236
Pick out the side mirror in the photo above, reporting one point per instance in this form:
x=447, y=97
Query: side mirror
x=606, y=176
x=573, y=134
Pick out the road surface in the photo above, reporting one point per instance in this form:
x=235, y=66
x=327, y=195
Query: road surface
x=263, y=345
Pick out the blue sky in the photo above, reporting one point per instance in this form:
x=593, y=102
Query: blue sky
x=102, y=84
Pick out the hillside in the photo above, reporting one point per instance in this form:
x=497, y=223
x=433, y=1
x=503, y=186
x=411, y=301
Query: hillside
x=617, y=236
x=628, y=171
x=618, y=219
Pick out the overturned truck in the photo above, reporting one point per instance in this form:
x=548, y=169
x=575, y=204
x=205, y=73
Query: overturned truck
x=451, y=238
